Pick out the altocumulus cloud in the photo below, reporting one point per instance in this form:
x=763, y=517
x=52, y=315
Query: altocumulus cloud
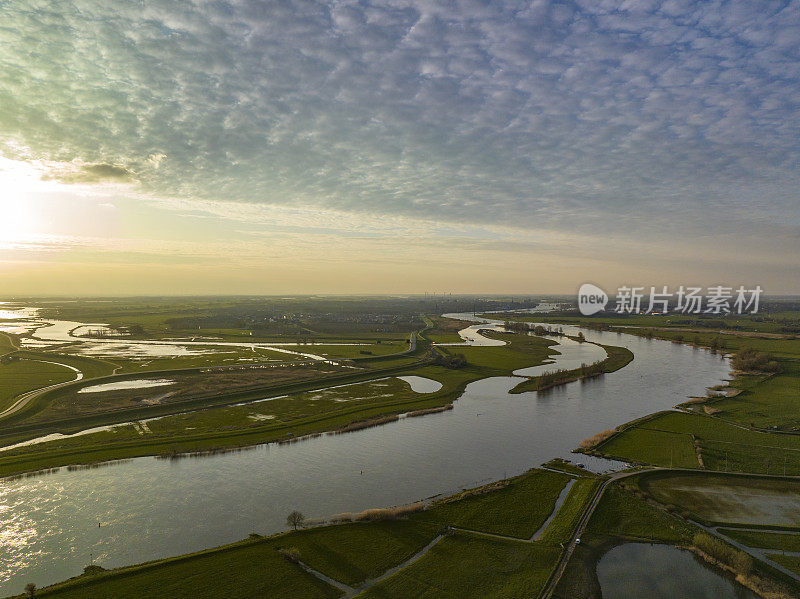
x=627, y=115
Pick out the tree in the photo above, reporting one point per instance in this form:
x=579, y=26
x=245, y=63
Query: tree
x=30, y=589
x=295, y=519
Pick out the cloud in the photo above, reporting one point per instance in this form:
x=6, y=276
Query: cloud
x=632, y=118
x=96, y=173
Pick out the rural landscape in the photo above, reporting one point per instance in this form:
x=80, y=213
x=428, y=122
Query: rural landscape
x=307, y=404
x=400, y=299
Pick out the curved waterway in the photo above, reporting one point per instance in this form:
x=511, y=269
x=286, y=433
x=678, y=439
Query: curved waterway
x=148, y=508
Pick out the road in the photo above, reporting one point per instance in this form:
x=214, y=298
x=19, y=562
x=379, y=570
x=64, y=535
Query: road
x=26, y=398
x=555, y=577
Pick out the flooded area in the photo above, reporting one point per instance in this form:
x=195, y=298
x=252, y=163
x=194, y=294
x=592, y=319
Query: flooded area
x=472, y=335
x=638, y=570
x=740, y=499
x=148, y=508
x=133, y=384
x=419, y=384
x=17, y=320
x=98, y=340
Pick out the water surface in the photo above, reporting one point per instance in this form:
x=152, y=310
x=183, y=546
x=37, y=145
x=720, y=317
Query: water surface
x=420, y=384
x=639, y=570
x=131, y=384
x=149, y=508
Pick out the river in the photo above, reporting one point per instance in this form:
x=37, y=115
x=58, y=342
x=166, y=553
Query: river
x=148, y=508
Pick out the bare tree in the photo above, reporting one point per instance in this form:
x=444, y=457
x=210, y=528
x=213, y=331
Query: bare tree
x=30, y=589
x=295, y=519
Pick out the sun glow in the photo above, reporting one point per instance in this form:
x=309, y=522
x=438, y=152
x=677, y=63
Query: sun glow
x=20, y=182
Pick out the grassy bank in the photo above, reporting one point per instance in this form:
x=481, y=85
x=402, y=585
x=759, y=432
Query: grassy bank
x=616, y=358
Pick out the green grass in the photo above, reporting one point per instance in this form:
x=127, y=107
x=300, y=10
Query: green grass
x=764, y=539
x=766, y=401
x=351, y=351
x=790, y=562
x=724, y=446
x=248, y=569
x=301, y=413
x=568, y=467
x=462, y=565
x=622, y=514
x=659, y=441
x=8, y=343
x=19, y=376
x=185, y=437
x=566, y=521
x=352, y=553
x=522, y=351
x=446, y=337
x=616, y=358
x=517, y=510
x=90, y=367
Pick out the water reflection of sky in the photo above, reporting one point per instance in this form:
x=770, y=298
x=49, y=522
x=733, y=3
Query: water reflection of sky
x=152, y=508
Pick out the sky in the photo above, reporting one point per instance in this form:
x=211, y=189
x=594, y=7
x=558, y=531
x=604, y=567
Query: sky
x=397, y=146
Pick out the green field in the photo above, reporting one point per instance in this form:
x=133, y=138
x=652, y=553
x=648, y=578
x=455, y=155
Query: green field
x=8, y=343
x=622, y=514
x=522, y=351
x=277, y=413
x=507, y=511
x=763, y=539
x=465, y=566
x=666, y=440
x=561, y=528
x=247, y=569
x=616, y=358
x=790, y=562
x=353, y=553
x=765, y=401
x=20, y=376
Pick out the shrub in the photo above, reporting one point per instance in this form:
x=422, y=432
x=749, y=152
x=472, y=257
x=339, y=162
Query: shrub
x=596, y=439
x=737, y=560
x=390, y=513
x=291, y=554
x=748, y=359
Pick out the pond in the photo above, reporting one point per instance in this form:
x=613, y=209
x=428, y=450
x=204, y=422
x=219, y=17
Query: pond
x=419, y=384
x=132, y=384
x=637, y=570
